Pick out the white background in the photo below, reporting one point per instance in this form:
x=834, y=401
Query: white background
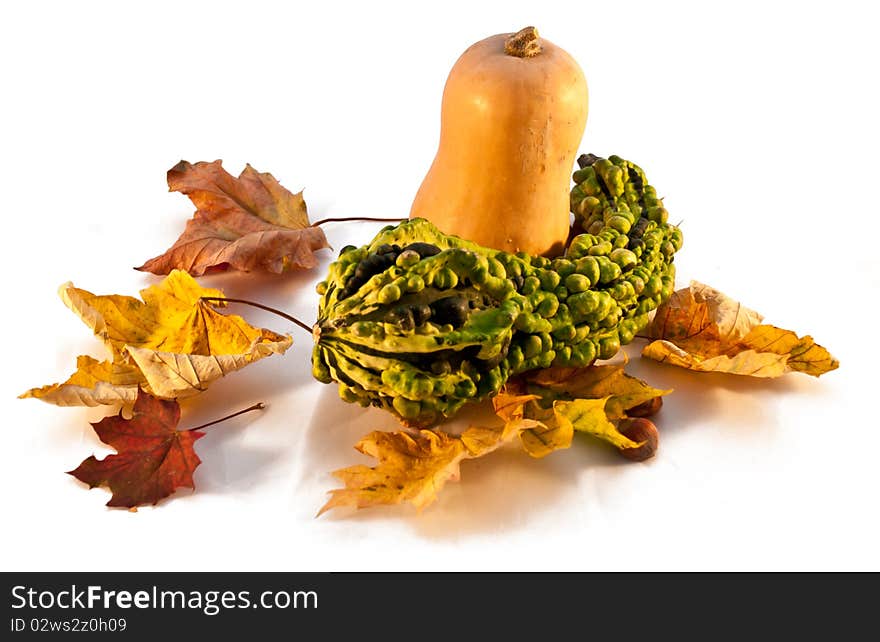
x=756, y=121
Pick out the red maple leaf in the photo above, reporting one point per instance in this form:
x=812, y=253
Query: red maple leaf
x=153, y=458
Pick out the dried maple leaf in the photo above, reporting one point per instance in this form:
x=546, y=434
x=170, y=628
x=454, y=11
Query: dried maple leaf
x=590, y=416
x=701, y=329
x=559, y=414
x=94, y=383
x=172, y=343
x=414, y=467
x=611, y=382
x=702, y=312
x=249, y=223
x=153, y=458
x=541, y=431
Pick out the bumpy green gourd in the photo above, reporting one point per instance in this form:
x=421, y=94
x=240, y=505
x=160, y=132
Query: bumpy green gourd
x=419, y=322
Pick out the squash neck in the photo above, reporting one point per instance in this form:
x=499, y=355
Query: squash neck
x=523, y=44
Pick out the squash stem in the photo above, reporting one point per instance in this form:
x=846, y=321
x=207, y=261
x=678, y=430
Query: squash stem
x=523, y=44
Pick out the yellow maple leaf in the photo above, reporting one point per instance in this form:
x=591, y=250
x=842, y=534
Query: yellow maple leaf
x=94, y=383
x=590, y=416
x=541, y=431
x=701, y=329
x=611, y=382
x=553, y=427
x=412, y=467
x=172, y=343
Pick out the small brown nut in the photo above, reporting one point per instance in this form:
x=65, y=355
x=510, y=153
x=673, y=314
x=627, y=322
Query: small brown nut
x=646, y=409
x=639, y=430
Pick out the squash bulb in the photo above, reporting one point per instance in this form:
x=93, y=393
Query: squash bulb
x=513, y=113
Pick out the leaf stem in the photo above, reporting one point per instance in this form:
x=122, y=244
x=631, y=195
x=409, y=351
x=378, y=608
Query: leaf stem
x=354, y=218
x=281, y=314
x=256, y=406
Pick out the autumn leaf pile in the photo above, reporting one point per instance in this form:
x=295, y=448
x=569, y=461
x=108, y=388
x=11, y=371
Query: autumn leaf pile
x=414, y=466
x=176, y=339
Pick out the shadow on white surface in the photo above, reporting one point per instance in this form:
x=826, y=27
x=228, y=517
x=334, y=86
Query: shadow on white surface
x=508, y=490
x=231, y=464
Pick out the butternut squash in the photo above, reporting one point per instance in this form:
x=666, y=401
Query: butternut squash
x=513, y=113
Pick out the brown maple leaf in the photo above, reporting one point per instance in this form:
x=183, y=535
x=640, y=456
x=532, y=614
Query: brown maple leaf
x=249, y=223
x=153, y=458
